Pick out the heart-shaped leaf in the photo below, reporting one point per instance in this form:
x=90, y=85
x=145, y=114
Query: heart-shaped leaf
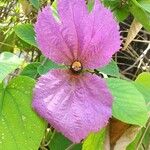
x=129, y=105
x=20, y=127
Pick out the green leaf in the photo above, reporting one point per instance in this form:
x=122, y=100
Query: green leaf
x=112, y=4
x=143, y=85
x=48, y=65
x=54, y=5
x=26, y=33
x=145, y=92
x=145, y=4
x=120, y=11
x=140, y=14
x=111, y=69
x=8, y=63
x=95, y=141
x=54, y=11
x=59, y=142
x=90, y=5
x=31, y=70
x=144, y=79
x=129, y=105
x=35, y=3
x=20, y=127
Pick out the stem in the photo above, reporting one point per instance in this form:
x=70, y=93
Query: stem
x=142, y=137
x=50, y=138
x=6, y=44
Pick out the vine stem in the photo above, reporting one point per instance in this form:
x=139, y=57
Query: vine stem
x=6, y=44
x=142, y=137
x=50, y=138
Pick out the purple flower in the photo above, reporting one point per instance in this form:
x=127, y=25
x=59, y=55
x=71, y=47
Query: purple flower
x=74, y=101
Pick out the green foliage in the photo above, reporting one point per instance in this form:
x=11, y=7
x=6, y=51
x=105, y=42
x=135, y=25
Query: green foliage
x=145, y=4
x=110, y=69
x=120, y=10
x=20, y=127
x=121, y=13
x=31, y=70
x=95, y=141
x=35, y=3
x=90, y=5
x=140, y=12
x=9, y=42
x=143, y=85
x=133, y=144
x=141, y=141
x=144, y=79
x=47, y=65
x=129, y=105
x=59, y=142
x=26, y=33
x=54, y=10
x=8, y=63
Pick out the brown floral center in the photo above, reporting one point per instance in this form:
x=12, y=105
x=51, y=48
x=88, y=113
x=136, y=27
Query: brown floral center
x=76, y=67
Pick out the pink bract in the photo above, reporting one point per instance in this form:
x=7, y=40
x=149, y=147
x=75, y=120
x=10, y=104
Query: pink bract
x=75, y=104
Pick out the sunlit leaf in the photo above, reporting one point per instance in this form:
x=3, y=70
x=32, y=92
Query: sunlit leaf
x=145, y=4
x=95, y=141
x=26, y=33
x=144, y=79
x=8, y=63
x=54, y=10
x=129, y=105
x=20, y=127
x=143, y=85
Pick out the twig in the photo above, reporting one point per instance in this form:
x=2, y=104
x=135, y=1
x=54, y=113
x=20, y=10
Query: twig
x=141, y=56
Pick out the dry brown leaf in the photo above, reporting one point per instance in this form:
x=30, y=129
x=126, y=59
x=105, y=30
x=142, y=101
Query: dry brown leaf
x=117, y=128
x=133, y=31
x=128, y=136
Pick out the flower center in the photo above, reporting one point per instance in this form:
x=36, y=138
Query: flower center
x=76, y=67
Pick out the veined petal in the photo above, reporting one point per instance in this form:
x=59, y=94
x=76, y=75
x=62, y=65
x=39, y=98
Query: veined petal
x=74, y=105
x=49, y=38
x=73, y=14
x=102, y=37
